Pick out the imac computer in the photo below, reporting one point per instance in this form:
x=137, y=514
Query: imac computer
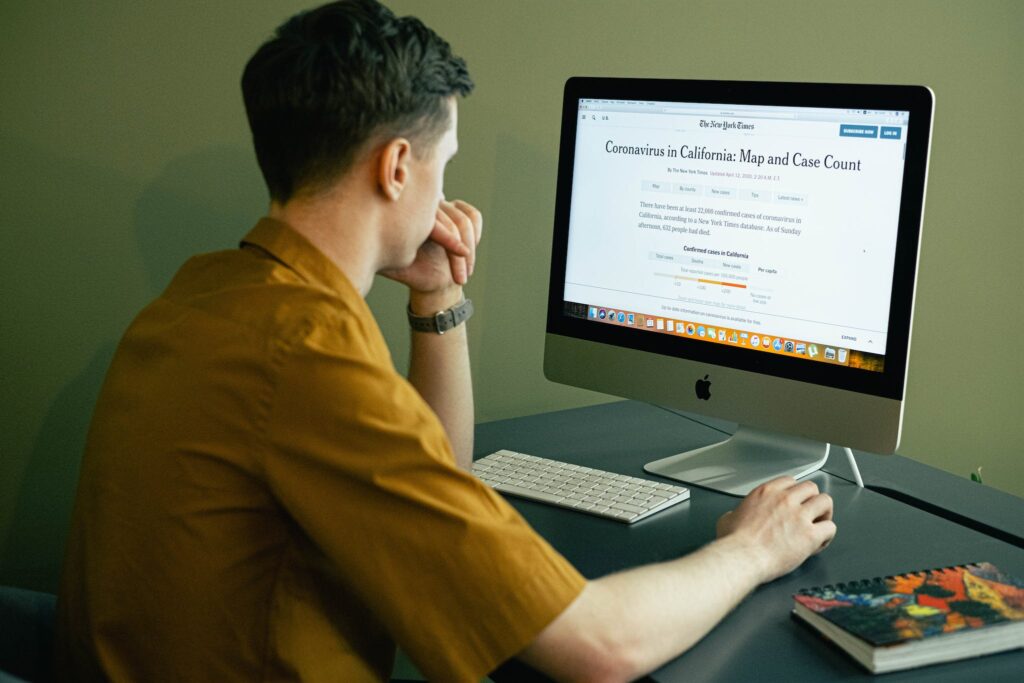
x=746, y=251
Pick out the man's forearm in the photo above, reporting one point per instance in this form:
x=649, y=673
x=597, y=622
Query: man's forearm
x=666, y=608
x=627, y=624
x=439, y=369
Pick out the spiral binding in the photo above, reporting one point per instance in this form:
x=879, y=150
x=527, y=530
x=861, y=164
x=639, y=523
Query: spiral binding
x=851, y=586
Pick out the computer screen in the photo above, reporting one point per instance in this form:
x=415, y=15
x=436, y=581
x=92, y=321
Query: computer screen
x=720, y=245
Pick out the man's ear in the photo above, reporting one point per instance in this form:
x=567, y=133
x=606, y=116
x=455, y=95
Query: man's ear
x=393, y=167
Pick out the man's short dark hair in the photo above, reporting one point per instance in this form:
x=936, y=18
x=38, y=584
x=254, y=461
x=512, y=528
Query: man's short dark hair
x=336, y=76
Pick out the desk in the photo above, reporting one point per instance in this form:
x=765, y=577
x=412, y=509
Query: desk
x=759, y=641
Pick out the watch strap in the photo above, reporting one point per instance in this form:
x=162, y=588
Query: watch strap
x=442, y=321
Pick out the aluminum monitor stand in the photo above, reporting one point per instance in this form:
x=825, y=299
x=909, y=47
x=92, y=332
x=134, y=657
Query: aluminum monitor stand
x=744, y=461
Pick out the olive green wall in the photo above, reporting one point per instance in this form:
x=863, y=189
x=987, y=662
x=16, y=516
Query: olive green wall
x=123, y=148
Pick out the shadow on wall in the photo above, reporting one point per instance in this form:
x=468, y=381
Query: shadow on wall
x=35, y=541
x=509, y=376
x=517, y=248
x=200, y=202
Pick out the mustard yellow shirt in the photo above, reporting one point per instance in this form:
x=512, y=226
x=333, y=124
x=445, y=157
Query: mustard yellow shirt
x=264, y=498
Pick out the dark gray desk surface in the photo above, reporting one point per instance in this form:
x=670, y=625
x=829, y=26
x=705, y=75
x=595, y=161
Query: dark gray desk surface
x=759, y=641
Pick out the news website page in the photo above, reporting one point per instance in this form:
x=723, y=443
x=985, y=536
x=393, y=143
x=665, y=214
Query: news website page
x=770, y=228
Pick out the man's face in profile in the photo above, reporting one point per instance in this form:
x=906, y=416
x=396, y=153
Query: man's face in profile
x=424, y=190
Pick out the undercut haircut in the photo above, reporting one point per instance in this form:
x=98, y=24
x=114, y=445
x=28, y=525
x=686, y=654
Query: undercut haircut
x=336, y=77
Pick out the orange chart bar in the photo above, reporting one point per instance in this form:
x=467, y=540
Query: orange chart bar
x=724, y=284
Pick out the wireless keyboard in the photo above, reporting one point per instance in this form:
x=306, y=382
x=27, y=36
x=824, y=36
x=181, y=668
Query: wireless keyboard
x=605, y=494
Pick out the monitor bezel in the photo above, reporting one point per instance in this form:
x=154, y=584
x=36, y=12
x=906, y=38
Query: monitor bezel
x=890, y=382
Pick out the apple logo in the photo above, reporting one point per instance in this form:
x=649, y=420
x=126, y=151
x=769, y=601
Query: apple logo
x=703, y=387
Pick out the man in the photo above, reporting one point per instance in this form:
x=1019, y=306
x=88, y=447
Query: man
x=264, y=498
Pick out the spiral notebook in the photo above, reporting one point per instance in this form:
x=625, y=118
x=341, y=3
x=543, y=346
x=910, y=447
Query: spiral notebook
x=919, y=618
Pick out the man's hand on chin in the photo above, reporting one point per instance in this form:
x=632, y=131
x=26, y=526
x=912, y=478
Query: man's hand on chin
x=445, y=261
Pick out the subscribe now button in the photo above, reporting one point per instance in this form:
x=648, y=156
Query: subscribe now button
x=857, y=131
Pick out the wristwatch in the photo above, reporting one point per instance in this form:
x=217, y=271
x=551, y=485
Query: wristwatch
x=442, y=321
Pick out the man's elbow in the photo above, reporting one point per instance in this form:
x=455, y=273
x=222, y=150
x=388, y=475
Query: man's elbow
x=612, y=663
x=588, y=651
x=607, y=665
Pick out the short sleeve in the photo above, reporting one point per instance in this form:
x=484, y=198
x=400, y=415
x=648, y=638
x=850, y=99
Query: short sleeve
x=361, y=463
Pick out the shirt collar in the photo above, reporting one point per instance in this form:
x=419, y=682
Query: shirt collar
x=290, y=248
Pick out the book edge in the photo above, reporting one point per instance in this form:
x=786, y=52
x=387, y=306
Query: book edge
x=916, y=653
